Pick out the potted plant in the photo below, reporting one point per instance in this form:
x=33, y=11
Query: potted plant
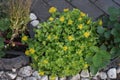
x=65, y=44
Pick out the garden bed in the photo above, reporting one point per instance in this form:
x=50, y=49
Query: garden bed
x=69, y=44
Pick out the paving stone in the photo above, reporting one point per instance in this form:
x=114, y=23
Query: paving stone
x=117, y=1
x=105, y=4
x=93, y=0
x=40, y=8
x=60, y=4
x=87, y=7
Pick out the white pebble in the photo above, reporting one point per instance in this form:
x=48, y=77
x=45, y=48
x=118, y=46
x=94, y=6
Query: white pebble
x=13, y=70
x=103, y=75
x=85, y=73
x=33, y=16
x=76, y=77
x=44, y=78
x=11, y=75
x=35, y=23
x=112, y=74
x=64, y=78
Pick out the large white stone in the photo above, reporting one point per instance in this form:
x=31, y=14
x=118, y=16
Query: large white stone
x=112, y=73
x=36, y=74
x=12, y=75
x=103, y=75
x=25, y=71
x=85, y=73
x=34, y=23
x=33, y=16
x=76, y=77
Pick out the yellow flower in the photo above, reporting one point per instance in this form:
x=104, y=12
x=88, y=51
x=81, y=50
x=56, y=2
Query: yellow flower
x=62, y=18
x=24, y=38
x=52, y=10
x=66, y=10
x=65, y=48
x=51, y=18
x=85, y=66
x=45, y=61
x=89, y=21
x=49, y=37
x=100, y=23
x=87, y=34
x=70, y=22
x=41, y=73
x=27, y=52
x=80, y=19
x=80, y=26
x=70, y=38
x=82, y=14
x=31, y=50
x=55, y=37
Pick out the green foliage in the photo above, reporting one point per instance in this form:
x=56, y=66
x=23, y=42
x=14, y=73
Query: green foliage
x=4, y=24
x=1, y=47
x=3, y=9
x=66, y=44
x=110, y=37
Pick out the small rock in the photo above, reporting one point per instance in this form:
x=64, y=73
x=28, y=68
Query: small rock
x=85, y=73
x=35, y=23
x=19, y=78
x=95, y=78
x=85, y=79
x=44, y=78
x=36, y=74
x=30, y=78
x=103, y=75
x=25, y=71
x=11, y=75
x=118, y=70
x=1, y=73
x=112, y=74
x=76, y=77
x=64, y=78
x=33, y=16
x=13, y=70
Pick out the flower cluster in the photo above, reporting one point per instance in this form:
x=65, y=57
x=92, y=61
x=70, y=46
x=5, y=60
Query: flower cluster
x=64, y=43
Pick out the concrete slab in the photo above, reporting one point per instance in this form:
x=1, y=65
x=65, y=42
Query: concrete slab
x=59, y=4
x=87, y=7
x=117, y=1
x=40, y=9
x=105, y=4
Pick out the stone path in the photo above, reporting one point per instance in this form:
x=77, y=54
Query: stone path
x=94, y=8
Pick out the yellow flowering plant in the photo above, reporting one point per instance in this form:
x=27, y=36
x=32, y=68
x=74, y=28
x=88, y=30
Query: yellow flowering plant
x=65, y=44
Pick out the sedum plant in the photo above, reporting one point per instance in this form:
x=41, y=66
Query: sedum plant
x=65, y=44
x=109, y=33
